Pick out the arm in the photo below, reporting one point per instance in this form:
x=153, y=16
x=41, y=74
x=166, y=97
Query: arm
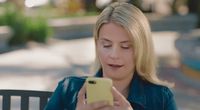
x=56, y=101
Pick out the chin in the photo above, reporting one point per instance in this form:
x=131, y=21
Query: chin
x=113, y=75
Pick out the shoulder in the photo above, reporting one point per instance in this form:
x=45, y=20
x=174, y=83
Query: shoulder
x=160, y=94
x=72, y=83
x=72, y=79
x=158, y=89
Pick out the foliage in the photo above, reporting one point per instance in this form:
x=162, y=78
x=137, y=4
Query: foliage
x=9, y=15
x=24, y=28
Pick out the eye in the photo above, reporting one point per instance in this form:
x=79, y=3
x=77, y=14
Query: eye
x=126, y=46
x=106, y=45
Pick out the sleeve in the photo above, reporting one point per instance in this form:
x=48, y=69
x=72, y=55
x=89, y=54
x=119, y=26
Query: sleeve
x=56, y=100
x=170, y=103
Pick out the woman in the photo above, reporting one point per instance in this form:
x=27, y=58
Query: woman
x=125, y=54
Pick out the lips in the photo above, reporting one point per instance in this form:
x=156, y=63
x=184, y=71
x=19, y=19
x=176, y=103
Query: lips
x=115, y=65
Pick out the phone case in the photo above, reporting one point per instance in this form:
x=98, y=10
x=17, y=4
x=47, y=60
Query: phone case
x=99, y=89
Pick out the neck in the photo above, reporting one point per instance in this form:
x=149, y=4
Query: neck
x=123, y=86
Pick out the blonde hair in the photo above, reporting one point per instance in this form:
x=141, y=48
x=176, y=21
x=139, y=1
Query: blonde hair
x=137, y=25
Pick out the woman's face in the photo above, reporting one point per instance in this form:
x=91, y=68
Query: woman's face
x=115, y=52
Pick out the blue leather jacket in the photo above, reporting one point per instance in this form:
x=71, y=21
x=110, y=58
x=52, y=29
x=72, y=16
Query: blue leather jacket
x=142, y=95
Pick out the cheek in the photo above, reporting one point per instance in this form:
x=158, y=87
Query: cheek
x=102, y=54
x=129, y=57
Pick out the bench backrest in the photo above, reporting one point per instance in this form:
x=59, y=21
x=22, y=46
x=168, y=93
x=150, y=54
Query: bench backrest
x=24, y=95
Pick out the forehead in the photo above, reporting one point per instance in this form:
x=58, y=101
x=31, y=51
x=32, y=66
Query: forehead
x=113, y=32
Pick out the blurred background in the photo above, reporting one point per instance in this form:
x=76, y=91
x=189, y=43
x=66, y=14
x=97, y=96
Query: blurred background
x=43, y=41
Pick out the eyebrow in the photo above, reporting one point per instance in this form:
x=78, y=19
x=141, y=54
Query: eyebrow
x=124, y=42
x=104, y=39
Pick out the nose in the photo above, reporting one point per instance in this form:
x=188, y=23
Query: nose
x=114, y=54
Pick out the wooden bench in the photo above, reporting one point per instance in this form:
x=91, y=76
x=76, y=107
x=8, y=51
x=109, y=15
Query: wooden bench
x=24, y=95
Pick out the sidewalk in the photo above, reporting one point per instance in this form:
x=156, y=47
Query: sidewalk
x=40, y=67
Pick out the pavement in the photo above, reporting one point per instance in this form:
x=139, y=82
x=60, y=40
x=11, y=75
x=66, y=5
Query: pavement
x=42, y=66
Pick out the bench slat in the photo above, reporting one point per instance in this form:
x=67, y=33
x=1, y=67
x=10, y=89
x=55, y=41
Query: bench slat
x=25, y=95
x=43, y=102
x=6, y=102
x=24, y=103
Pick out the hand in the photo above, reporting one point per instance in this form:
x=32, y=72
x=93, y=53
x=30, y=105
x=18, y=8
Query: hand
x=82, y=105
x=120, y=102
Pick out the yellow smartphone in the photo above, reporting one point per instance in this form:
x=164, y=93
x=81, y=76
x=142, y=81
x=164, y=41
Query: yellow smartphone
x=99, y=89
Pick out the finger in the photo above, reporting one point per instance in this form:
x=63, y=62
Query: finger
x=116, y=103
x=99, y=105
x=81, y=94
x=118, y=97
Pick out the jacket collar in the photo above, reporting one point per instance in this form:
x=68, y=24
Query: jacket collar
x=136, y=93
x=99, y=73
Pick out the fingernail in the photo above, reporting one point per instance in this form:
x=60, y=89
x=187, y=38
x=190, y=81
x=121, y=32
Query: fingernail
x=114, y=88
